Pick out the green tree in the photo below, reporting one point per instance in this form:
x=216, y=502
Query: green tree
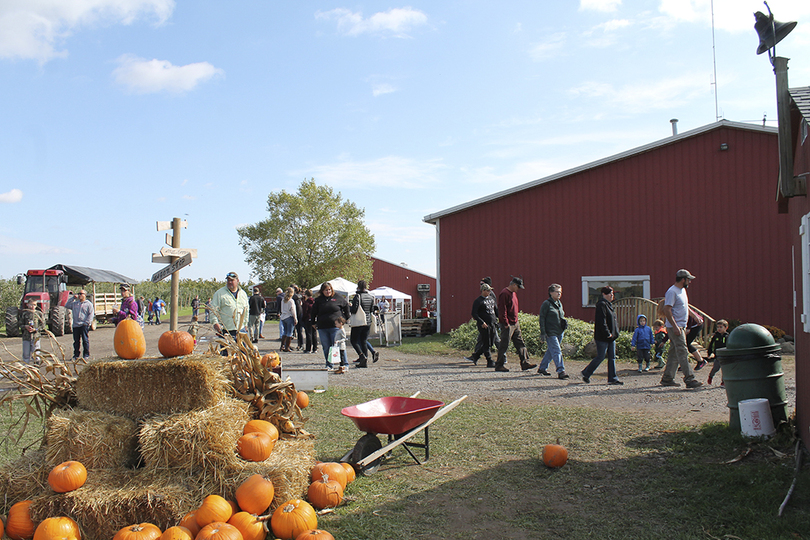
x=309, y=237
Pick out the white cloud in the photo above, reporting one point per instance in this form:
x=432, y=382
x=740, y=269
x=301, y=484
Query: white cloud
x=382, y=88
x=604, y=6
x=13, y=196
x=542, y=51
x=395, y=21
x=151, y=76
x=728, y=14
x=643, y=96
x=14, y=246
x=34, y=29
x=389, y=171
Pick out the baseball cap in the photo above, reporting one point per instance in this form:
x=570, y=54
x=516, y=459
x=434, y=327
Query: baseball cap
x=232, y=275
x=684, y=273
x=519, y=282
x=123, y=287
x=485, y=287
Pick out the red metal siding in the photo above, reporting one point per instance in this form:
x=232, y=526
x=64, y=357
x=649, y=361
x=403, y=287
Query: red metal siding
x=402, y=279
x=684, y=205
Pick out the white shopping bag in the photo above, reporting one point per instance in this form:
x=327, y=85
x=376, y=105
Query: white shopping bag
x=334, y=355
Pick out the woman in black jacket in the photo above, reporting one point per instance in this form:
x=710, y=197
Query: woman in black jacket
x=327, y=309
x=605, y=333
x=359, y=337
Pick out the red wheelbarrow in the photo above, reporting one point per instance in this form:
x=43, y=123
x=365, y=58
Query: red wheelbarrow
x=398, y=417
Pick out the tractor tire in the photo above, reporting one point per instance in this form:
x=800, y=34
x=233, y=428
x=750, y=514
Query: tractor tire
x=12, y=323
x=68, y=321
x=56, y=321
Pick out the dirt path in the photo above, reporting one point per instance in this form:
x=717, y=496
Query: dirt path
x=450, y=377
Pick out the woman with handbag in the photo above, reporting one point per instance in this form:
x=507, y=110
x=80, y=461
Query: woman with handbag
x=362, y=311
x=327, y=309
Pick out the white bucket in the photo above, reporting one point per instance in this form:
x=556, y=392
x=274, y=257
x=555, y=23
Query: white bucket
x=755, y=418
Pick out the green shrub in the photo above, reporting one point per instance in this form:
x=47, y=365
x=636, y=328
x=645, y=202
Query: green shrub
x=578, y=334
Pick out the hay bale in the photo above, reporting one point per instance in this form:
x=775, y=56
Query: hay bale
x=23, y=479
x=156, y=386
x=98, y=440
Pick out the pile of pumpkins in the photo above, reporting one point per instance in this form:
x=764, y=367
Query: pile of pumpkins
x=130, y=343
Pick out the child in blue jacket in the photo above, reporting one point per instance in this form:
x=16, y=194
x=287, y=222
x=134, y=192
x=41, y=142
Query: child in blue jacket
x=642, y=342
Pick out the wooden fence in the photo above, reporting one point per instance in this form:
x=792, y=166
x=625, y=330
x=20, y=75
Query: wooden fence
x=628, y=310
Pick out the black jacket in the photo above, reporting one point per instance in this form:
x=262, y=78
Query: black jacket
x=485, y=310
x=327, y=309
x=604, y=326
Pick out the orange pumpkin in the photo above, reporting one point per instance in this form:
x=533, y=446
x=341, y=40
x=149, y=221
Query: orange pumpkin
x=255, y=495
x=302, y=400
x=128, y=340
x=250, y=527
x=315, y=534
x=1, y=527
x=177, y=532
x=261, y=425
x=213, y=508
x=325, y=493
x=554, y=455
x=189, y=521
x=219, y=530
x=334, y=470
x=255, y=446
x=19, y=525
x=351, y=476
x=173, y=344
x=57, y=528
x=138, y=531
x=293, y=518
x=271, y=360
x=67, y=476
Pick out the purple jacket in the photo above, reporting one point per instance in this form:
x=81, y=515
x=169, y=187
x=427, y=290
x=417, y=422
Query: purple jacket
x=129, y=308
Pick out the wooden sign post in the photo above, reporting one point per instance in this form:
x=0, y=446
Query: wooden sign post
x=177, y=259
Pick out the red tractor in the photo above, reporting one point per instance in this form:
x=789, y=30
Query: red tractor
x=49, y=288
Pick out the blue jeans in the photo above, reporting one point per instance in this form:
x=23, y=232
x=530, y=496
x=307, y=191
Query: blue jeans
x=553, y=352
x=287, y=326
x=328, y=336
x=81, y=340
x=603, y=348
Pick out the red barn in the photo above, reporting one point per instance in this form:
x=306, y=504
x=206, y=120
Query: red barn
x=704, y=200
x=403, y=279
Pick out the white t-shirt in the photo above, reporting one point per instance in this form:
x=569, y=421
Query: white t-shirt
x=676, y=298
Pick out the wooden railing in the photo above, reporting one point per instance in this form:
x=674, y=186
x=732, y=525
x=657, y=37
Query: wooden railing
x=628, y=310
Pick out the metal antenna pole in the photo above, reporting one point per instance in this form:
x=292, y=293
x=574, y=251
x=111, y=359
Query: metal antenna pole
x=714, y=61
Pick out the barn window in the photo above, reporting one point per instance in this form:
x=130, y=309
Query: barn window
x=623, y=287
x=804, y=233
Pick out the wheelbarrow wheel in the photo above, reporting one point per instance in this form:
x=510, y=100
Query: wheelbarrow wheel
x=367, y=445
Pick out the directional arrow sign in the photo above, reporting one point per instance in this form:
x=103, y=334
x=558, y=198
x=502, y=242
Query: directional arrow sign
x=163, y=273
x=177, y=252
x=160, y=259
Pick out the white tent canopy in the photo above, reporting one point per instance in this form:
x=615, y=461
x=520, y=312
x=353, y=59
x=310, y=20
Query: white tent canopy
x=388, y=292
x=339, y=285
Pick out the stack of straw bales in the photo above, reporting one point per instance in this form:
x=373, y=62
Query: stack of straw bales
x=157, y=436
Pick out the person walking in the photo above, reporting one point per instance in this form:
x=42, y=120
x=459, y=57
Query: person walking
x=256, y=305
x=359, y=334
x=157, y=308
x=326, y=311
x=485, y=314
x=552, y=328
x=605, y=333
x=676, y=311
x=289, y=319
x=229, y=307
x=510, y=327
x=83, y=315
x=195, y=305
x=298, y=300
x=309, y=329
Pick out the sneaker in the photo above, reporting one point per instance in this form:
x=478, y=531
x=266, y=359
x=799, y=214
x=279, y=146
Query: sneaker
x=694, y=384
x=525, y=365
x=617, y=382
x=669, y=383
x=585, y=378
x=470, y=358
x=639, y=369
x=563, y=376
x=490, y=364
x=709, y=380
x=543, y=372
x=700, y=365
x=647, y=368
x=501, y=367
x=376, y=356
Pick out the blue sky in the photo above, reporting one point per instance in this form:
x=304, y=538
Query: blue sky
x=118, y=113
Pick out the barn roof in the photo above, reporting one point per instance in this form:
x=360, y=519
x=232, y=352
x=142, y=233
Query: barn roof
x=801, y=97
x=433, y=218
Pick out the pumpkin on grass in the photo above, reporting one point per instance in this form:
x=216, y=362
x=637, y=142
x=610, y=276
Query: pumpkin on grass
x=255, y=446
x=261, y=425
x=334, y=470
x=177, y=532
x=219, y=530
x=138, y=531
x=213, y=508
x=302, y=399
x=57, y=528
x=555, y=455
x=325, y=493
x=293, y=518
x=351, y=476
x=255, y=495
x=19, y=525
x=173, y=344
x=128, y=340
x=315, y=534
x=250, y=527
x=67, y=476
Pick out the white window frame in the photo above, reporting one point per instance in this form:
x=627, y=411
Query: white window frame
x=804, y=234
x=645, y=281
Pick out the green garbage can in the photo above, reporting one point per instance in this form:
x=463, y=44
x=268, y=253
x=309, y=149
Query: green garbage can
x=752, y=368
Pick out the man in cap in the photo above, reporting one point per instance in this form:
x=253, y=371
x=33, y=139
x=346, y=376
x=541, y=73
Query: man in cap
x=83, y=315
x=676, y=311
x=510, y=327
x=485, y=313
x=229, y=307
